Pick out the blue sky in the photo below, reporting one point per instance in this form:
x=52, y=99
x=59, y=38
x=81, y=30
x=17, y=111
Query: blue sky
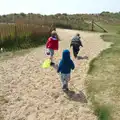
x=58, y=6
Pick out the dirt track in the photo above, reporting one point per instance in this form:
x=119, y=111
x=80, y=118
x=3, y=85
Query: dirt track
x=28, y=92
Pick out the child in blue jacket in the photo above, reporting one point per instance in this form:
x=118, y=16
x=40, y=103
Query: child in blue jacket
x=65, y=67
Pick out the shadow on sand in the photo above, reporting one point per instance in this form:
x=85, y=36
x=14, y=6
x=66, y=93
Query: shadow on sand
x=81, y=58
x=78, y=97
x=55, y=66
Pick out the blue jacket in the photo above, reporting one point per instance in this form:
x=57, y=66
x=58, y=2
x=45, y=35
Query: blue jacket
x=66, y=64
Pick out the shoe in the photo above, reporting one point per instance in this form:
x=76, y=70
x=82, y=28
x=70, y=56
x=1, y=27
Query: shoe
x=75, y=56
x=65, y=89
x=52, y=63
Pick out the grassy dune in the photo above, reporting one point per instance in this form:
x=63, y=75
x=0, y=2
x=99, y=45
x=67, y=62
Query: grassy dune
x=103, y=86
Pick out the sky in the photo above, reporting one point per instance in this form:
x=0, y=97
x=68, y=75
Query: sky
x=58, y=6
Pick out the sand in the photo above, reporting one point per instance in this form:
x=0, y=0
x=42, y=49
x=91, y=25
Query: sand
x=29, y=92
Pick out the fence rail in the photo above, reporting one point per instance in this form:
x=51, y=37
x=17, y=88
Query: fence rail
x=94, y=23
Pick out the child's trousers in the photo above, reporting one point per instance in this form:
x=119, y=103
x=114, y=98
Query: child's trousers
x=75, y=50
x=64, y=80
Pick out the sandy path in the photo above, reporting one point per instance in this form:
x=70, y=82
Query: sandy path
x=29, y=92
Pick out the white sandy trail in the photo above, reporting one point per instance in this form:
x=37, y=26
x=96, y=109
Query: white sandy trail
x=33, y=93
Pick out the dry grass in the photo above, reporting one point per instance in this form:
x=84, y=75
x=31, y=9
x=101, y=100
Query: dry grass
x=22, y=36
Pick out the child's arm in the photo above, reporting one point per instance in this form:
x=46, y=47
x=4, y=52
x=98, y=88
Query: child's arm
x=71, y=43
x=72, y=65
x=81, y=43
x=47, y=44
x=59, y=67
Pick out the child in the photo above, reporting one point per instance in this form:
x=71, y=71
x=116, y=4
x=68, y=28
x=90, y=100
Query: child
x=65, y=67
x=76, y=43
x=51, y=45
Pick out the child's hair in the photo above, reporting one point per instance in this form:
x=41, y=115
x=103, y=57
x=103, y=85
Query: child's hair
x=53, y=33
x=78, y=34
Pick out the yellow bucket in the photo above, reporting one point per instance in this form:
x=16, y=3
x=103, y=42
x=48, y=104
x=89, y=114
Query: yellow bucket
x=46, y=63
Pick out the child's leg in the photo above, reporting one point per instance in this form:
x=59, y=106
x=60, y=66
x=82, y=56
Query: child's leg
x=77, y=50
x=67, y=80
x=64, y=79
x=74, y=51
x=51, y=55
x=51, y=58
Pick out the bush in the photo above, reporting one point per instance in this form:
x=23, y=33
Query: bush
x=23, y=37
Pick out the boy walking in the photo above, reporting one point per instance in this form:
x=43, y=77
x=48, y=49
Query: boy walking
x=65, y=67
x=76, y=43
x=52, y=45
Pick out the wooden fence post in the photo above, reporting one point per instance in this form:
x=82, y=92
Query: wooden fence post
x=92, y=25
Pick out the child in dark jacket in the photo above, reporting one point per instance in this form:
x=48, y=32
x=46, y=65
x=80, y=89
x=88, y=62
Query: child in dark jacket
x=76, y=43
x=65, y=67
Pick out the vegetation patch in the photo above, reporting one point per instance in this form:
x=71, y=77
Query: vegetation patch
x=103, y=81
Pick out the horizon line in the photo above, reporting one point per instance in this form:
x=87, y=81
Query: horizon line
x=58, y=13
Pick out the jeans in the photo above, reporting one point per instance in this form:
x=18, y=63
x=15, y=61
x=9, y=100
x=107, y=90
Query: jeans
x=51, y=52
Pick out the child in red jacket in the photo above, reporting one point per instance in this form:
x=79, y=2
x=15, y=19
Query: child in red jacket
x=52, y=45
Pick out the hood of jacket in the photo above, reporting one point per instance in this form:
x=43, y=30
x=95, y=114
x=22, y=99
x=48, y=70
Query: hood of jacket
x=66, y=56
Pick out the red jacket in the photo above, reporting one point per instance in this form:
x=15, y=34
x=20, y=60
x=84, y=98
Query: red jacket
x=52, y=43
